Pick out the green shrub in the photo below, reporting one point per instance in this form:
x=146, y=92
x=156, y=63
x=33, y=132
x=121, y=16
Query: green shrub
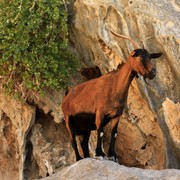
x=34, y=53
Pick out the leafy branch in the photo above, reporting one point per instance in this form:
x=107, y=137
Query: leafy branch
x=34, y=54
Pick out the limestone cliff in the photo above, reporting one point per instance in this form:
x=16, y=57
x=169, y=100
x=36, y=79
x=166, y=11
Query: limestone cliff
x=16, y=119
x=33, y=137
x=143, y=138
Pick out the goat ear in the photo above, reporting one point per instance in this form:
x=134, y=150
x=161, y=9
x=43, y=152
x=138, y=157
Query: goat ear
x=156, y=55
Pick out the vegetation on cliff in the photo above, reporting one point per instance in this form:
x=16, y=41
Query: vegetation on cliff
x=34, y=53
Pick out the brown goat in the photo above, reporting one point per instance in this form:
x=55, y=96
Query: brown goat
x=92, y=104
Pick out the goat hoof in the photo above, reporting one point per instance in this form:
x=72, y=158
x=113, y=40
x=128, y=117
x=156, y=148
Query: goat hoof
x=78, y=158
x=101, y=158
x=112, y=158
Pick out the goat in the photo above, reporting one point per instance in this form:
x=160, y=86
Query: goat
x=94, y=103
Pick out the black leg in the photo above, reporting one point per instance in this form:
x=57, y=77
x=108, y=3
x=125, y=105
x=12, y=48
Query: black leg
x=73, y=141
x=84, y=143
x=74, y=145
x=112, y=152
x=99, y=151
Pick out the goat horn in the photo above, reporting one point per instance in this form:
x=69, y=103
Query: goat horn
x=124, y=37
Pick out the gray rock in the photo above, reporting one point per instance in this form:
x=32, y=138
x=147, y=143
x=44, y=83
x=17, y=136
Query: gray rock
x=93, y=169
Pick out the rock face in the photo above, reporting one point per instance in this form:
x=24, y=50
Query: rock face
x=140, y=140
x=34, y=142
x=50, y=147
x=153, y=25
x=16, y=119
x=96, y=169
x=172, y=121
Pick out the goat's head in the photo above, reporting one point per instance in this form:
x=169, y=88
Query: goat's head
x=141, y=59
x=141, y=63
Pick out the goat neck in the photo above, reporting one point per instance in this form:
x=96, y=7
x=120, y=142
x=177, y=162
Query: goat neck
x=125, y=76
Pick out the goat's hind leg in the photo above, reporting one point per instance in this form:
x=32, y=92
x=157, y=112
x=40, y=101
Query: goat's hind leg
x=85, y=143
x=72, y=133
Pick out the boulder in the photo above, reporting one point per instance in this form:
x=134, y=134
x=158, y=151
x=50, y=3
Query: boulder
x=88, y=169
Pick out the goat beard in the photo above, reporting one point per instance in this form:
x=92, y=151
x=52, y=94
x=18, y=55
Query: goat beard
x=145, y=79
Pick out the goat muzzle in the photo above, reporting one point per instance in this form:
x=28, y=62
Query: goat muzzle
x=152, y=74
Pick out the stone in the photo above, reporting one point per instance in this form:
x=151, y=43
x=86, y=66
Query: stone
x=51, y=102
x=88, y=169
x=50, y=146
x=16, y=120
x=171, y=112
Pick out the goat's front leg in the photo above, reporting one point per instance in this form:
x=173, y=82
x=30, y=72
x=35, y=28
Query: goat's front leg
x=100, y=133
x=112, y=152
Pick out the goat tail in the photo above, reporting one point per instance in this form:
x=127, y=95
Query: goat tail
x=127, y=38
x=66, y=92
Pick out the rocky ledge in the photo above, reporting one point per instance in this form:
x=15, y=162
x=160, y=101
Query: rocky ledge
x=93, y=169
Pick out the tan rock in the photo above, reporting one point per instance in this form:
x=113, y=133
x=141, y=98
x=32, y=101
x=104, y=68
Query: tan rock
x=140, y=140
x=172, y=119
x=88, y=169
x=50, y=144
x=51, y=103
x=16, y=120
